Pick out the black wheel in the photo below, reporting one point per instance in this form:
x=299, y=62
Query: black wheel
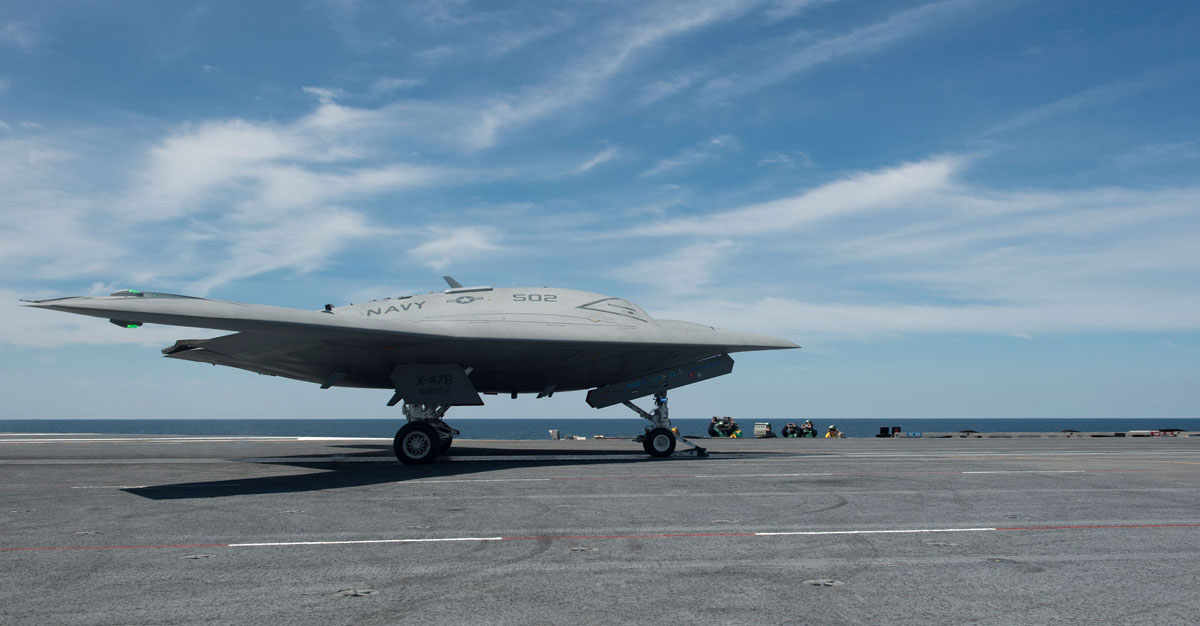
x=417, y=443
x=659, y=442
x=446, y=444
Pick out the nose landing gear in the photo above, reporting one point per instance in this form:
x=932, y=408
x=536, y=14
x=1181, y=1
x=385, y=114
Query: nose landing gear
x=659, y=442
x=659, y=439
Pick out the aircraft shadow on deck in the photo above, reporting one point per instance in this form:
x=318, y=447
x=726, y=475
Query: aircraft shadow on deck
x=345, y=470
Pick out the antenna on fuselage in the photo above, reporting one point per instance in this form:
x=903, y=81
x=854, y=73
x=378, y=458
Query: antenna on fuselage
x=454, y=284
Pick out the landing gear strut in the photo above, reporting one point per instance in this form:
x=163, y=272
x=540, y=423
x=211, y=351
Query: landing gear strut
x=659, y=439
x=425, y=436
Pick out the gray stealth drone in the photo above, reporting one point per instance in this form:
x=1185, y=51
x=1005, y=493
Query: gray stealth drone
x=439, y=350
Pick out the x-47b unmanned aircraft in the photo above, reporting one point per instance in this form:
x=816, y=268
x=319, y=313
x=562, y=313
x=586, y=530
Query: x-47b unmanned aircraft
x=440, y=350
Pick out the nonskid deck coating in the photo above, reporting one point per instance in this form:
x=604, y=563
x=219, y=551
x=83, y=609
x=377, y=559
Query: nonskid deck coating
x=121, y=529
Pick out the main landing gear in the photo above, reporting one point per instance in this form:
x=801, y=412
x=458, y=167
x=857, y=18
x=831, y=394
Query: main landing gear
x=425, y=436
x=659, y=439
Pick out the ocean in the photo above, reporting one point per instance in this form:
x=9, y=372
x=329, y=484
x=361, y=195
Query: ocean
x=539, y=428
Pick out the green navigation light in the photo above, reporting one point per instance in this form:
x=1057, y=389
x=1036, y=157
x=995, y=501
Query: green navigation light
x=133, y=326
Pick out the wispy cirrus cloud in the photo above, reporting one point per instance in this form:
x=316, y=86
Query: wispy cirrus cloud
x=604, y=156
x=859, y=192
x=897, y=28
x=778, y=10
x=188, y=167
x=300, y=244
x=55, y=224
x=667, y=87
x=1159, y=154
x=276, y=196
x=622, y=42
x=239, y=198
x=389, y=84
x=501, y=42
x=21, y=35
x=326, y=95
x=612, y=44
x=446, y=245
x=1098, y=95
x=267, y=169
x=808, y=320
x=687, y=269
x=787, y=159
x=967, y=257
x=688, y=157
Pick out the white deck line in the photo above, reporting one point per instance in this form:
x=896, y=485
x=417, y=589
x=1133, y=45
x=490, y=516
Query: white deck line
x=873, y=532
x=360, y=541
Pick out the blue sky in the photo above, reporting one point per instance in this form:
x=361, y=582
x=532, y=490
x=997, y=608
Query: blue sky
x=962, y=208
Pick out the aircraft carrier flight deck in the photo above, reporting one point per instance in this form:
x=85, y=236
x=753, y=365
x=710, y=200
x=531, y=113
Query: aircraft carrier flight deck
x=113, y=529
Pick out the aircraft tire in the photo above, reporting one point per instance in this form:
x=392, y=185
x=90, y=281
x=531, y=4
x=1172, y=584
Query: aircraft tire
x=659, y=442
x=417, y=443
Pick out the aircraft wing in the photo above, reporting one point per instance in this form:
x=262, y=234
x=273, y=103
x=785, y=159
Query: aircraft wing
x=133, y=308
x=274, y=355
x=499, y=365
x=361, y=351
x=278, y=341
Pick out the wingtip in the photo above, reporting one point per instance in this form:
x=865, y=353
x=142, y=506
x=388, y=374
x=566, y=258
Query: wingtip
x=779, y=343
x=37, y=304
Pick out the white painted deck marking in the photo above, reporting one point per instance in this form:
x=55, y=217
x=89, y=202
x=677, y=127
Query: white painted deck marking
x=486, y=480
x=360, y=541
x=112, y=487
x=874, y=532
x=561, y=537
x=87, y=438
x=712, y=476
x=1027, y=472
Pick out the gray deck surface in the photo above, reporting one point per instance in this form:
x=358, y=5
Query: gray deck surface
x=100, y=529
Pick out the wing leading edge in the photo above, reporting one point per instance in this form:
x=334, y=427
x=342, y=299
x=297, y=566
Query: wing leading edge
x=175, y=310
